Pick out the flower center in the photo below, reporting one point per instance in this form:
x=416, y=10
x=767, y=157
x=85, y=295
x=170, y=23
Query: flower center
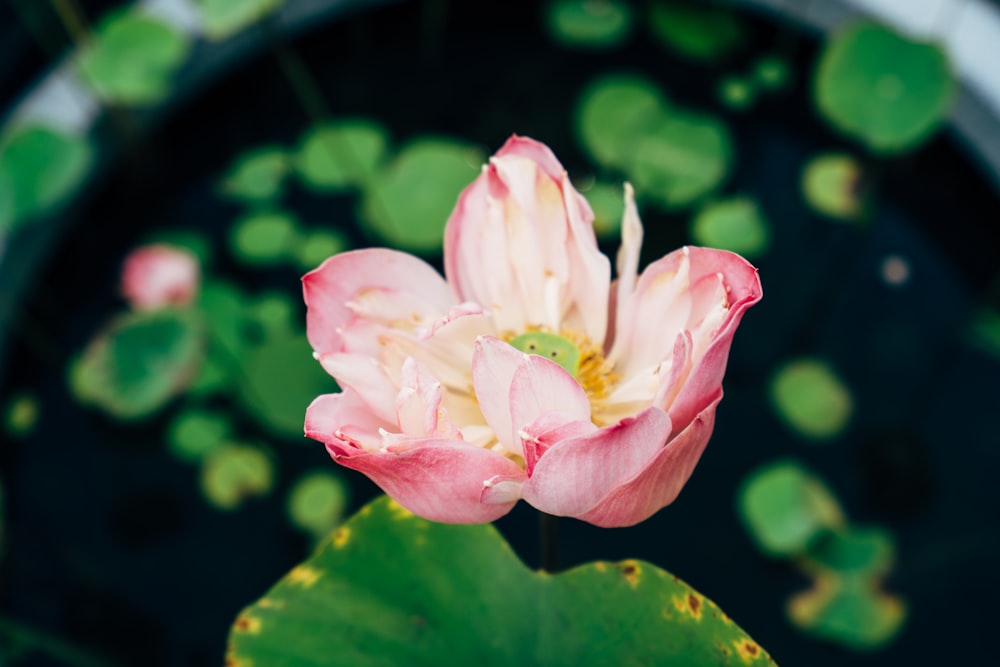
x=551, y=346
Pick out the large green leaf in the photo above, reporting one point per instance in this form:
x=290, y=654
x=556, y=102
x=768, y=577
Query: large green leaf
x=882, y=88
x=341, y=155
x=735, y=224
x=391, y=589
x=222, y=18
x=38, y=167
x=615, y=114
x=133, y=57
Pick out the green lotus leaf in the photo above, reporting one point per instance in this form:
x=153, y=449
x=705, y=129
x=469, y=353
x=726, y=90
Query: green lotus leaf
x=258, y=175
x=811, y=399
x=317, y=502
x=409, y=202
x=852, y=551
x=133, y=57
x=830, y=185
x=696, y=30
x=851, y=611
x=882, y=88
x=735, y=224
x=737, y=93
x=387, y=589
x=316, y=246
x=39, y=167
x=195, y=433
x=614, y=116
x=232, y=473
x=21, y=414
x=596, y=24
x=265, y=237
x=222, y=18
x=340, y=155
x=608, y=203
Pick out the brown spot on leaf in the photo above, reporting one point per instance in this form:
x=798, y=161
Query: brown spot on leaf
x=748, y=649
x=694, y=604
x=631, y=571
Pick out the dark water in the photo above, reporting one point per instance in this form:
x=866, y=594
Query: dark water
x=109, y=544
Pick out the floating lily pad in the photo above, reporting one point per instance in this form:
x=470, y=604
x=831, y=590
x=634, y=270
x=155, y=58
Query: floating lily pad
x=341, y=155
x=882, y=88
x=317, y=502
x=848, y=610
x=615, y=114
x=316, y=246
x=461, y=597
x=683, y=159
x=233, y=473
x=852, y=551
x=608, y=203
x=258, y=175
x=772, y=72
x=141, y=361
x=737, y=93
x=696, y=30
x=732, y=224
x=223, y=18
x=133, y=57
x=229, y=330
x=597, y=24
x=281, y=379
x=264, y=238
x=811, y=399
x=39, y=166
x=830, y=184
x=276, y=313
x=409, y=202
x=195, y=433
x=786, y=508
x=21, y=414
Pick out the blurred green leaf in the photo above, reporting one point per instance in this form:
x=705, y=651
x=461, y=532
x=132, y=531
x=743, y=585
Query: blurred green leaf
x=189, y=239
x=461, y=597
x=133, y=57
x=851, y=611
x=811, y=399
x=317, y=245
x=317, y=502
x=276, y=313
x=264, y=238
x=732, y=224
x=194, y=433
x=232, y=473
x=409, y=202
x=866, y=552
x=223, y=18
x=883, y=89
x=39, y=166
x=830, y=184
x=696, y=31
x=614, y=116
x=786, y=508
x=983, y=330
x=596, y=24
x=258, y=175
x=341, y=155
x=139, y=362
x=736, y=92
x=608, y=202
x=772, y=72
x=21, y=414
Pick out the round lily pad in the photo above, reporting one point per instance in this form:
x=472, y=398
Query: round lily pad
x=615, y=114
x=265, y=238
x=830, y=184
x=850, y=611
x=736, y=92
x=21, y=414
x=317, y=502
x=786, y=508
x=194, y=433
x=596, y=24
x=232, y=473
x=133, y=57
x=697, y=30
x=608, y=203
x=732, y=224
x=39, y=166
x=811, y=399
x=258, y=175
x=139, y=362
x=275, y=312
x=318, y=245
x=461, y=597
x=772, y=72
x=223, y=18
x=852, y=551
x=882, y=88
x=340, y=155
x=409, y=202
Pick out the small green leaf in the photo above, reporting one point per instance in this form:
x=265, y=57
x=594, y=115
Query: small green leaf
x=851, y=611
x=772, y=72
x=264, y=238
x=882, y=88
x=140, y=361
x=737, y=93
x=232, y=473
x=39, y=167
x=614, y=116
x=133, y=57
x=830, y=184
x=695, y=31
x=683, y=159
x=811, y=399
x=341, y=155
x=596, y=24
x=866, y=552
x=258, y=175
x=317, y=246
x=281, y=380
x=410, y=201
x=608, y=202
x=786, y=508
x=223, y=18
x=275, y=312
x=317, y=502
x=195, y=433
x=21, y=414
x=427, y=593
x=732, y=224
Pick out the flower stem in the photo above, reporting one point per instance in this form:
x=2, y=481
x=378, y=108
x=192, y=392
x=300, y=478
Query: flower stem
x=548, y=538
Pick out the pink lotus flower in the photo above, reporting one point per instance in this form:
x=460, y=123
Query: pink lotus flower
x=159, y=275
x=526, y=374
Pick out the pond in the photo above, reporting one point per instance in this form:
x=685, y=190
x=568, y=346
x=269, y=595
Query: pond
x=870, y=368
